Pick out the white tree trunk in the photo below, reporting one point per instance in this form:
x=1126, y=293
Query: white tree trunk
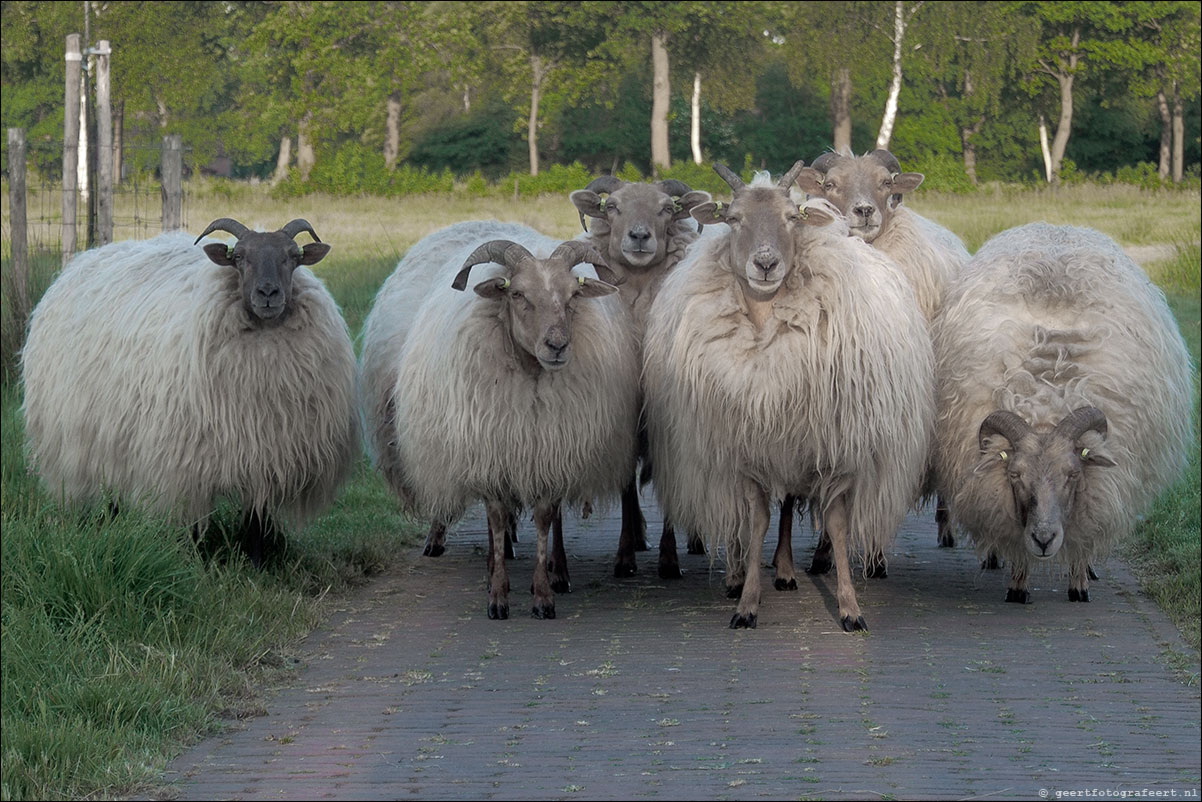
x=283, y=160
x=695, y=130
x=659, y=102
x=306, y=154
x=899, y=33
x=1178, y=136
x=81, y=168
x=536, y=81
x=392, y=130
x=1043, y=148
x=841, y=108
x=1166, y=135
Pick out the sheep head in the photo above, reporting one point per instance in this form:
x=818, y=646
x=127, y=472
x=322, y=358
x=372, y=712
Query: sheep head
x=866, y=189
x=638, y=216
x=1044, y=470
x=264, y=261
x=539, y=297
x=762, y=219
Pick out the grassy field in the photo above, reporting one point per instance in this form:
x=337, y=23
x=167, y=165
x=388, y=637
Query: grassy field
x=121, y=642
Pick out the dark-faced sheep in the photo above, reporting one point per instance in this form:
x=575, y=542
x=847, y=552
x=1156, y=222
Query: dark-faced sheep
x=1063, y=389
x=172, y=376
x=768, y=373
x=522, y=393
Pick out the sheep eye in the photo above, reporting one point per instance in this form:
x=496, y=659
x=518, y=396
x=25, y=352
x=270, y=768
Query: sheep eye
x=829, y=185
x=516, y=295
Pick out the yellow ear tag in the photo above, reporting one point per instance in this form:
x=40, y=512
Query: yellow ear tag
x=1084, y=453
x=505, y=286
x=1003, y=455
x=717, y=209
x=805, y=213
x=581, y=280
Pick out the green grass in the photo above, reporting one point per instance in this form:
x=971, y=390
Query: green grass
x=121, y=643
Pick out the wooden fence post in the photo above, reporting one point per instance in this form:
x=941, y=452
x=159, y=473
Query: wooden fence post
x=71, y=144
x=172, y=171
x=19, y=277
x=104, y=146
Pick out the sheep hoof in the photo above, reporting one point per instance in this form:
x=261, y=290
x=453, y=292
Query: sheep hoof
x=498, y=612
x=542, y=611
x=735, y=591
x=785, y=584
x=625, y=569
x=739, y=621
x=696, y=546
x=670, y=571
x=946, y=541
x=820, y=565
x=433, y=550
x=991, y=563
x=877, y=569
x=1018, y=596
x=561, y=586
x=1092, y=576
x=1075, y=595
x=853, y=625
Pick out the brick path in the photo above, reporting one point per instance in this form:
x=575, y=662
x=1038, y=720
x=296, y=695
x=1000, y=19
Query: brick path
x=638, y=690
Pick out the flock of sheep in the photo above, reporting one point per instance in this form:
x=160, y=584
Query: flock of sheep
x=810, y=341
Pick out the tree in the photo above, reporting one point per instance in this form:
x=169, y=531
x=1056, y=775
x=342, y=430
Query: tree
x=1170, y=73
x=901, y=20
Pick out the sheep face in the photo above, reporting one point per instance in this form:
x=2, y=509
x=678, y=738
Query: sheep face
x=1045, y=471
x=265, y=261
x=538, y=297
x=866, y=189
x=638, y=216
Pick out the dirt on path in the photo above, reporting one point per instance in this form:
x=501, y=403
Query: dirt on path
x=639, y=690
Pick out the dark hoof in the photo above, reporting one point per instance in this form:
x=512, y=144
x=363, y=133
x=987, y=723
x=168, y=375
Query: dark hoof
x=622, y=570
x=991, y=563
x=542, y=611
x=742, y=621
x=696, y=547
x=1092, y=576
x=858, y=625
x=820, y=565
x=877, y=568
x=735, y=592
x=947, y=542
x=785, y=584
x=640, y=544
x=670, y=571
x=1075, y=595
x=561, y=586
x=498, y=612
x=433, y=551
x=1018, y=596
x=508, y=550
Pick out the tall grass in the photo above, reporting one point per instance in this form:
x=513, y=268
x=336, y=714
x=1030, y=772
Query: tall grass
x=122, y=641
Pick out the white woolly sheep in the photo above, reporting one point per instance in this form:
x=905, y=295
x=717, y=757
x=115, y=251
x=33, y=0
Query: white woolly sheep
x=642, y=232
x=768, y=373
x=523, y=394
x=1063, y=391
x=869, y=190
x=172, y=376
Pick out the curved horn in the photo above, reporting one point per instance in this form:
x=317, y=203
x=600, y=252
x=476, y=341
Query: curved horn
x=675, y=188
x=730, y=178
x=224, y=224
x=1005, y=423
x=294, y=227
x=607, y=183
x=788, y=178
x=1080, y=421
x=573, y=252
x=887, y=159
x=502, y=251
x=826, y=161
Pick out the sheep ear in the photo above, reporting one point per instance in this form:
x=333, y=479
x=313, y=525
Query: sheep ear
x=810, y=181
x=219, y=253
x=314, y=252
x=593, y=288
x=996, y=453
x=710, y=212
x=687, y=201
x=492, y=288
x=587, y=203
x=907, y=182
x=816, y=216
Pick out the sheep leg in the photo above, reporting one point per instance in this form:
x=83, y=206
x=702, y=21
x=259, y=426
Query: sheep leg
x=1078, y=581
x=1017, y=592
x=557, y=562
x=695, y=544
x=943, y=523
x=845, y=593
x=782, y=558
x=752, y=530
x=735, y=570
x=258, y=531
x=634, y=529
x=498, y=578
x=669, y=563
x=544, y=597
x=436, y=540
x=821, y=561
x=991, y=562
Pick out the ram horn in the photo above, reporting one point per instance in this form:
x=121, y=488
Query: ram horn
x=826, y=161
x=730, y=178
x=887, y=159
x=606, y=183
x=573, y=252
x=1005, y=423
x=1080, y=421
x=228, y=224
x=675, y=188
x=788, y=178
x=502, y=251
x=294, y=227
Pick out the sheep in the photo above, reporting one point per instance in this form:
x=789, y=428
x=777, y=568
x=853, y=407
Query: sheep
x=1063, y=399
x=768, y=373
x=523, y=394
x=641, y=231
x=171, y=376
x=869, y=190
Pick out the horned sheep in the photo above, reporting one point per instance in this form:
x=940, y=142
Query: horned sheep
x=1063, y=390
x=523, y=393
x=768, y=373
x=166, y=375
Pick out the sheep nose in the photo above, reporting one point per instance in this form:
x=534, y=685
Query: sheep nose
x=864, y=210
x=1043, y=538
x=766, y=261
x=268, y=294
x=640, y=234
x=556, y=342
